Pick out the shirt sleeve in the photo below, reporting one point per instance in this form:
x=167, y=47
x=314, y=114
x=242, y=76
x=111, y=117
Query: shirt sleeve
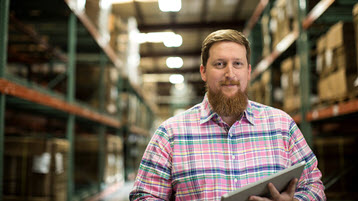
x=310, y=186
x=153, y=181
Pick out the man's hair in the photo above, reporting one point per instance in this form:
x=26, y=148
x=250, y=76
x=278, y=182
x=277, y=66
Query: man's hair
x=224, y=35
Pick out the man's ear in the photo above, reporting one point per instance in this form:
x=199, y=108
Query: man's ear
x=202, y=72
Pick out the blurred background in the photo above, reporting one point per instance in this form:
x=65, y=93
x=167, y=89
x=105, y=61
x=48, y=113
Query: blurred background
x=85, y=83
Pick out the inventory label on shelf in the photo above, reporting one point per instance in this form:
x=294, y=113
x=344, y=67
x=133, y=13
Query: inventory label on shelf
x=335, y=110
x=315, y=114
x=42, y=163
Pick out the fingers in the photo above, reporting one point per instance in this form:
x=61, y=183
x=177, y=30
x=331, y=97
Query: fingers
x=292, y=187
x=273, y=191
x=257, y=198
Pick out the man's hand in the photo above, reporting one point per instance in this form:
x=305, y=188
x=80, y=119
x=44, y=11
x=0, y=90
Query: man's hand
x=276, y=196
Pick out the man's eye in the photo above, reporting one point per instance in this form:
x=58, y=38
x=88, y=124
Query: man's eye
x=219, y=64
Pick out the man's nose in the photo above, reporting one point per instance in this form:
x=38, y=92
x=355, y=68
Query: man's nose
x=229, y=71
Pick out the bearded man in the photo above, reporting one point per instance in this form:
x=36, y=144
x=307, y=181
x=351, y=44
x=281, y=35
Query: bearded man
x=227, y=141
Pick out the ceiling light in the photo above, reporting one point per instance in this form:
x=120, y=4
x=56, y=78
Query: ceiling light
x=176, y=79
x=131, y=1
x=169, y=39
x=169, y=5
x=105, y=4
x=174, y=62
x=174, y=40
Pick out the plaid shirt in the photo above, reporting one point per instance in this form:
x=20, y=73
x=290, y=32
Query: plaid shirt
x=197, y=156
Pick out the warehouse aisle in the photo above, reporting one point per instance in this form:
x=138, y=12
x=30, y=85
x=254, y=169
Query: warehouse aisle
x=122, y=194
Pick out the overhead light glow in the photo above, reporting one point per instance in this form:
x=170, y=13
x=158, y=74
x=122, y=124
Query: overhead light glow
x=105, y=4
x=174, y=62
x=169, y=5
x=169, y=39
x=174, y=40
x=176, y=79
x=130, y=1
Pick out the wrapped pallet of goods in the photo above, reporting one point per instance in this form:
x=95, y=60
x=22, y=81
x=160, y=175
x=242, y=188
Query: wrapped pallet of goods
x=35, y=169
x=340, y=70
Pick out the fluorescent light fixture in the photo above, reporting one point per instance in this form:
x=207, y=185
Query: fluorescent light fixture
x=130, y=1
x=174, y=62
x=105, y=4
x=176, y=79
x=169, y=5
x=173, y=41
x=169, y=39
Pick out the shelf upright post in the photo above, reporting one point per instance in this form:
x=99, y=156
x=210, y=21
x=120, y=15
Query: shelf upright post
x=4, y=16
x=102, y=128
x=120, y=88
x=305, y=89
x=71, y=74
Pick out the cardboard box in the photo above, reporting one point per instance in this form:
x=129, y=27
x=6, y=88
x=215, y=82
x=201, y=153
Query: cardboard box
x=355, y=22
x=87, y=159
x=340, y=34
x=35, y=168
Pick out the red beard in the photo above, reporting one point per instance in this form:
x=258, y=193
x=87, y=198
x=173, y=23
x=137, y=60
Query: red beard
x=228, y=106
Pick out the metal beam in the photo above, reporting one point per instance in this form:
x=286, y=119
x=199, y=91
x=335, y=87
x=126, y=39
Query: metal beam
x=167, y=53
x=72, y=33
x=235, y=24
x=305, y=89
x=4, y=13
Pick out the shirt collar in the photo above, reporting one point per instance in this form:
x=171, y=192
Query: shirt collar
x=207, y=112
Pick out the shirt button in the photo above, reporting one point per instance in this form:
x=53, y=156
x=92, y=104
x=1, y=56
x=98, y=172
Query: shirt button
x=235, y=180
x=233, y=157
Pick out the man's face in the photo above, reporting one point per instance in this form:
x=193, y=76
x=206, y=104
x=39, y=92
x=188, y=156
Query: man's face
x=227, y=70
x=227, y=75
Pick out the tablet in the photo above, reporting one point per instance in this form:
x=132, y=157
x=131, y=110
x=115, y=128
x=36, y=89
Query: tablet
x=280, y=179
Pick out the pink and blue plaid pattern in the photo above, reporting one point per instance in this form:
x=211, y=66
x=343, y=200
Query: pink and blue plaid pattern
x=197, y=156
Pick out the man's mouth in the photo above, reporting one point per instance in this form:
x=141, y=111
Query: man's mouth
x=230, y=83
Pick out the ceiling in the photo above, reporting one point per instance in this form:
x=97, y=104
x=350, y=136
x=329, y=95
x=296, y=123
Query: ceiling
x=195, y=20
x=46, y=22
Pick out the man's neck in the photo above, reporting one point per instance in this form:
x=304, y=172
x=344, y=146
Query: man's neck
x=230, y=120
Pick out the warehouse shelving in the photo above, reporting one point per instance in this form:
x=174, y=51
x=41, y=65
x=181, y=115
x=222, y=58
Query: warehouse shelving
x=23, y=95
x=328, y=126
x=289, y=40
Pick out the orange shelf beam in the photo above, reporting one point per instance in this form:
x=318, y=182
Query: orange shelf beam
x=282, y=46
x=316, y=12
x=334, y=110
x=139, y=131
x=13, y=89
x=255, y=17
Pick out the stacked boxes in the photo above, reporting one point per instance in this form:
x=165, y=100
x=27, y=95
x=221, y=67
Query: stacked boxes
x=355, y=22
x=88, y=90
x=35, y=169
x=266, y=38
x=290, y=79
x=260, y=91
x=284, y=19
x=114, y=171
x=87, y=159
x=337, y=62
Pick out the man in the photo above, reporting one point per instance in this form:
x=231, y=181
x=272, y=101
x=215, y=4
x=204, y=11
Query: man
x=227, y=141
